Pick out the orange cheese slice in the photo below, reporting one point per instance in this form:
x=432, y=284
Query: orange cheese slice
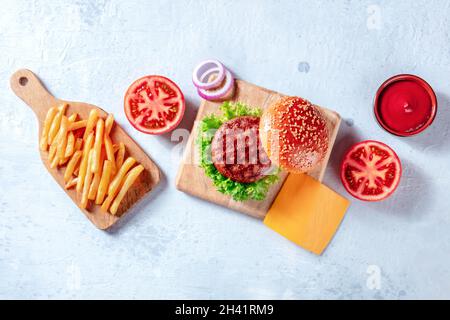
x=306, y=212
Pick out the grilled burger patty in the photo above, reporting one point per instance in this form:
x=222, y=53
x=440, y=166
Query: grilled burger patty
x=237, y=152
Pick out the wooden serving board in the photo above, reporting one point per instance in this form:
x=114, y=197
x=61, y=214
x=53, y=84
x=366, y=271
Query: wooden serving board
x=29, y=88
x=191, y=178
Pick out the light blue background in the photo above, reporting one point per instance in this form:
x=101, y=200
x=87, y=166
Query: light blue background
x=335, y=53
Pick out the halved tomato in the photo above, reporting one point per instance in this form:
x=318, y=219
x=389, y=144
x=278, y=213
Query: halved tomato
x=154, y=104
x=371, y=171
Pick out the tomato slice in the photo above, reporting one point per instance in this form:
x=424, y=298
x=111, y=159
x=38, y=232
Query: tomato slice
x=154, y=104
x=371, y=171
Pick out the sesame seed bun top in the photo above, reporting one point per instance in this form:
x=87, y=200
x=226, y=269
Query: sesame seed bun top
x=294, y=134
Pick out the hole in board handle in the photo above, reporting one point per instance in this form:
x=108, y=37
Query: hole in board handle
x=23, y=81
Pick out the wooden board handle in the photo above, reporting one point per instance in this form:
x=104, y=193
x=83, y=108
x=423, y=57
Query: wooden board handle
x=27, y=86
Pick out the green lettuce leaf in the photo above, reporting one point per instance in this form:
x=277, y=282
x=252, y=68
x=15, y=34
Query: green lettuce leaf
x=238, y=191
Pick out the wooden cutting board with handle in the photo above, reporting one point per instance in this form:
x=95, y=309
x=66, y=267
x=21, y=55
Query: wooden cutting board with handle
x=191, y=178
x=29, y=88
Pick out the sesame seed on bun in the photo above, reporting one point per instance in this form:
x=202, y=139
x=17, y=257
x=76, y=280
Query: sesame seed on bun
x=294, y=134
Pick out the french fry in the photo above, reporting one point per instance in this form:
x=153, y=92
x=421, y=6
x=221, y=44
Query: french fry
x=92, y=120
x=78, y=144
x=99, y=130
x=130, y=178
x=63, y=161
x=116, y=182
x=110, y=153
x=62, y=138
x=77, y=125
x=87, y=181
x=77, y=147
x=51, y=113
x=96, y=180
x=52, y=152
x=73, y=117
x=71, y=165
x=84, y=161
x=54, y=128
x=109, y=123
x=58, y=143
x=104, y=182
x=54, y=162
x=120, y=155
x=94, y=185
x=115, y=147
x=72, y=183
x=70, y=147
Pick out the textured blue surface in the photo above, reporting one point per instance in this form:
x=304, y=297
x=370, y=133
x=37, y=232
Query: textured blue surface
x=335, y=53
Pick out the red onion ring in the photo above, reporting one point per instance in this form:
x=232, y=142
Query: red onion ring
x=206, y=77
x=198, y=75
x=220, y=92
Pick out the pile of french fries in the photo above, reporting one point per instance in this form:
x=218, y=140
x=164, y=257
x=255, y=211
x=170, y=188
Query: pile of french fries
x=95, y=166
